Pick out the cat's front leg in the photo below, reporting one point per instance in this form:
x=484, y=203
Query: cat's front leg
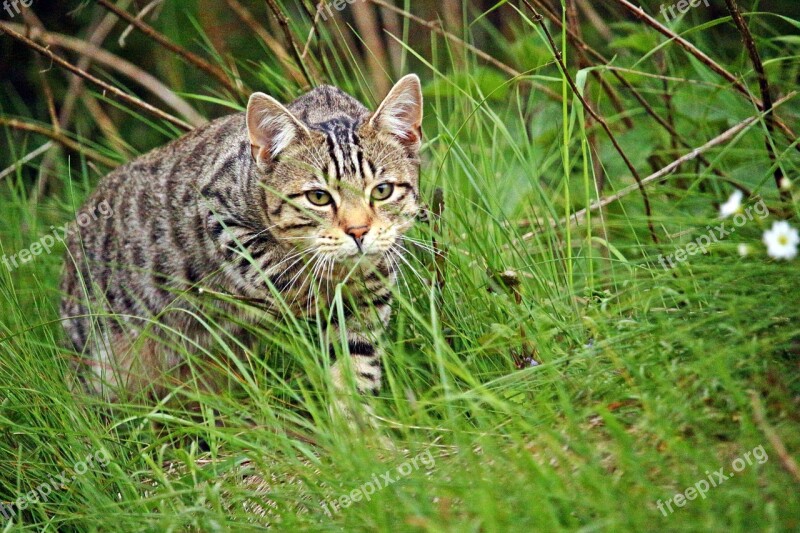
x=357, y=369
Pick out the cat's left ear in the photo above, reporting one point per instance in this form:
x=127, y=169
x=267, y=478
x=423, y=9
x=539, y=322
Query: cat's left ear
x=271, y=128
x=400, y=113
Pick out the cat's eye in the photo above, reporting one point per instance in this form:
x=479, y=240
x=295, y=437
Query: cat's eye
x=319, y=197
x=382, y=191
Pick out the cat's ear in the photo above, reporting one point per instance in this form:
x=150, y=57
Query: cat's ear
x=400, y=113
x=271, y=127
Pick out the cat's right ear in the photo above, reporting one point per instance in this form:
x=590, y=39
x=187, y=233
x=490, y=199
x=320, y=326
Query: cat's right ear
x=271, y=128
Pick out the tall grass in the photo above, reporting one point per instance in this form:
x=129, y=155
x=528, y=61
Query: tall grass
x=560, y=377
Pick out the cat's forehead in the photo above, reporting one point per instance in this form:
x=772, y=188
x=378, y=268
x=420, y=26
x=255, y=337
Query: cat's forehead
x=345, y=150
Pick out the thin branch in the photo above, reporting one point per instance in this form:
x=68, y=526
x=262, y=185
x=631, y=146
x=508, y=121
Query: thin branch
x=283, y=22
x=59, y=137
x=139, y=16
x=662, y=174
x=313, y=30
x=763, y=85
x=440, y=252
x=539, y=19
x=33, y=155
x=787, y=461
x=132, y=100
x=192, y=58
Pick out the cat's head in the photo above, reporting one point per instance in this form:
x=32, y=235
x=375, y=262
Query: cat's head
x=347, y=187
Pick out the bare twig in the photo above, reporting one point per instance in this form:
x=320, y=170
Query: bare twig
x=192, y=58
x=787, y=461
x=391, y=23
x=662, y=174
x=539, y=19
x=313, y=30
x=440, y=254
x=59, y=137
x=283, y=22
x=100, y=83
x=763, y=85
x=28, y=157
x=139, y=16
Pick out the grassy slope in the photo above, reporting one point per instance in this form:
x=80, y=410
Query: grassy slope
x=644, y=384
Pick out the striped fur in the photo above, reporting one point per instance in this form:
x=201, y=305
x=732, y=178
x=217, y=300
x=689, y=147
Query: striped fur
x=228, y=208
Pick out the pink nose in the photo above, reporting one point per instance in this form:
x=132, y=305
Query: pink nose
x=357, y=233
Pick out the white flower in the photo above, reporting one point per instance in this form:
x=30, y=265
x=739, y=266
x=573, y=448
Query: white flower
x=782, y=241
x=786, y=183
x=743, y=249
x=733, y=205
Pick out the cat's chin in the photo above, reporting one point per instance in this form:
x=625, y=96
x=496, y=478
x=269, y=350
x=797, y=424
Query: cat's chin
x=364, y=260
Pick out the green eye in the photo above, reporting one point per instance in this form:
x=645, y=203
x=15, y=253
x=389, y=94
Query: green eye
x=382, y=191
x=319, y=197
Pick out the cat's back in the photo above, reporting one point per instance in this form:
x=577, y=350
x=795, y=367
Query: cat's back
x=154, y=236
x=180, y=159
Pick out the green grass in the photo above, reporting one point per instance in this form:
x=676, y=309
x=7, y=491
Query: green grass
x=645, y=381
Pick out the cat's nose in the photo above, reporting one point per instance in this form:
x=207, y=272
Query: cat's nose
x=357, y=233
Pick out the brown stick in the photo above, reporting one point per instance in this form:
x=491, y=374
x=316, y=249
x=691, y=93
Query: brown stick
x=313, y=30
x=100, y=83
x=26, y=158
x=194, y=59
x=440, y=261
x=283, y=22
x=787, y=461
x=59, y=138
x=539, y=19
x=763, y=85
x=662, y=174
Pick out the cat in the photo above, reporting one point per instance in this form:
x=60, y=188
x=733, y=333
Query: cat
x=275, y=203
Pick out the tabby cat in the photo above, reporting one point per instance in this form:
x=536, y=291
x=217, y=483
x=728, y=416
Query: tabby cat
x=274, y=203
